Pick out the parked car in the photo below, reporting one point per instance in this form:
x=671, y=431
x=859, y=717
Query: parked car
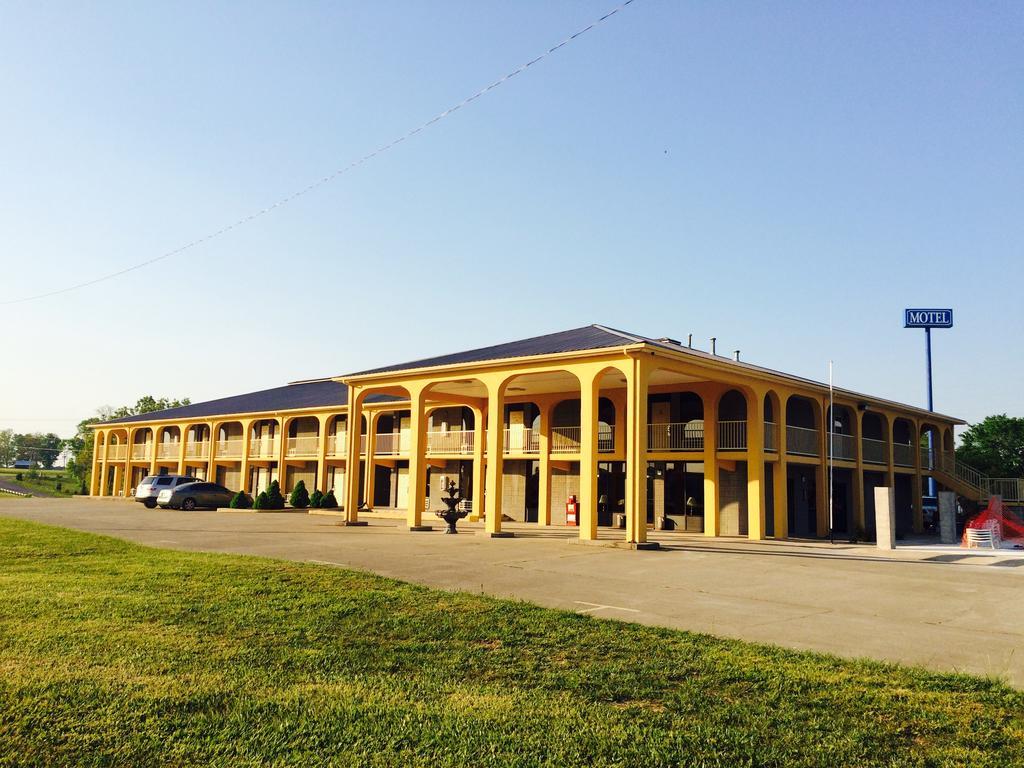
x=194, y=495
x=151, y=486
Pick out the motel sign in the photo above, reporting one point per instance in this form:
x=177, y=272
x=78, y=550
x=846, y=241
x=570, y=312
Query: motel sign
x=928, y=318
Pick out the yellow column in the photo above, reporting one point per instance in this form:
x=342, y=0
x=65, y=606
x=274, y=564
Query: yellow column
x=282, y=453
x=858, y=474
x=94, y=477
x=495, y=459
x=321, y=453
x=780, y=480
x=417, y=458
x=182, y=435
x=211, y=460
x=633, y=421
x=711, y=506
x=118, y=478
x=355, y=414
x=755, y=465
x=370, y=480
x=154, y=434
x=547, y=408
x=126, y=473
x=918, y=484
x=589, y=389
x=243, y=464
x=479, y=448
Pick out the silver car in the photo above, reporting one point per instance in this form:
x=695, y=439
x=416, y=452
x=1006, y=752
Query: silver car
x=151, y=486
x=195, y=495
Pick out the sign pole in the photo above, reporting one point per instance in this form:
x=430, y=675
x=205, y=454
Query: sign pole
x=931, y=404
x=831, y=451
x=928, y=319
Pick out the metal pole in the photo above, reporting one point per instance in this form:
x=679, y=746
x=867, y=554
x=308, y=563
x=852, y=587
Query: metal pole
x=931, y=406
x=831, y=451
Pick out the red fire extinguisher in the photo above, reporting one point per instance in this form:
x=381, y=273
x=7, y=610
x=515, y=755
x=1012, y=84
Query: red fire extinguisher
x=572, y=511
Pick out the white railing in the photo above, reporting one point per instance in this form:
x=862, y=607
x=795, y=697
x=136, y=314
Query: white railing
x=771, y=436
x=801, y=441
x=390, y=443
x=605, y=438
x=230, y=448
x=1010, y=488
x=337, y=445
x=262, y=448
x=141, y=451
x=168, y=450
x=565, y=440
x=676, y=436
x=902, y=455
x=520, y=440
x=197, y=450
x=459, y=441
x=732, y=435
x=305, y=445
x=116, y=452
x=842, y=447
x=873, y=451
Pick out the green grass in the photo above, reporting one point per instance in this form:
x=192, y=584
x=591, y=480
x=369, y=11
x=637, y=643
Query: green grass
x=46, y=481
x=116, y=654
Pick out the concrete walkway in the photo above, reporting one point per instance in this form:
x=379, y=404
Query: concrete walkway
x=947, y=611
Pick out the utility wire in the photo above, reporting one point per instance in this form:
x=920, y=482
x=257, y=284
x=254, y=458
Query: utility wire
x=330, y=177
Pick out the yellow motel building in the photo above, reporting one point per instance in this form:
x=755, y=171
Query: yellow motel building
x=644, y=432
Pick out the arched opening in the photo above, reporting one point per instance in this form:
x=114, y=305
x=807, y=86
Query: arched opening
x=732, y=421
x=903, y=442
x=168, y=448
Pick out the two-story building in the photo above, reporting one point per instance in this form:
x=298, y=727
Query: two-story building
x=643, y=432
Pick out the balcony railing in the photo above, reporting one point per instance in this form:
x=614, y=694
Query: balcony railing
x=801, y=441
x=304, y=445
x=459, y=441
x=168, y=450
x=675, y=436
x=263, y=448
x=873, y=451
x=771, y=436
x=142, y=451
x=230, y=448
x=1010, y=488
x=116, y=452
x=390, y=443
x=732, y=435
x=842, y=447
x=199, y=450
x=337, y=445
x=902, y=455
x=523, y=440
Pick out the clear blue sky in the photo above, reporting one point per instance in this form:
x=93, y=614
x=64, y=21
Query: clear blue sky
x=786, y=177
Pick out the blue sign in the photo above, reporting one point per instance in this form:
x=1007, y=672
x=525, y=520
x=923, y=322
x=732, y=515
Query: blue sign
x=928, y=318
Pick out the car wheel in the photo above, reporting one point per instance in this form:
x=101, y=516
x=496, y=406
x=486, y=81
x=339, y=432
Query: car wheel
x=150, y=503
x=188, y=505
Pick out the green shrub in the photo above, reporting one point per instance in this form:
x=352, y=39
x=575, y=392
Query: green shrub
x=274, y=498
x=18, y=476
x=82, y=490
x=329, y=501
x=316, y=501
x=299, y=497
x=262, y=501
x=58, y=486
x=241, y=500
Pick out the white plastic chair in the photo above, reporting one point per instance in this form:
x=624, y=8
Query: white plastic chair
x=981, y=537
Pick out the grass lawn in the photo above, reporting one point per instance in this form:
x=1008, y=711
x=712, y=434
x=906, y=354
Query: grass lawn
x=45, y=482
x=115, y=654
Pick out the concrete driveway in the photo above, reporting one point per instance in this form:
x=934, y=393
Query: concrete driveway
x=939, y=610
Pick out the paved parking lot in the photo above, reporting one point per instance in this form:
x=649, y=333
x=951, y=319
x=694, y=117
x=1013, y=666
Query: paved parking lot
x=940, y=610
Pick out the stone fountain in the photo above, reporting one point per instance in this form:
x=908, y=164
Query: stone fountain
x=451, y=515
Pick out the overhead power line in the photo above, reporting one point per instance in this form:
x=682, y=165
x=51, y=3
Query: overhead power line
x=330, y=177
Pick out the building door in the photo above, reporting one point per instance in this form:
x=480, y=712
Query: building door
x=403, y=488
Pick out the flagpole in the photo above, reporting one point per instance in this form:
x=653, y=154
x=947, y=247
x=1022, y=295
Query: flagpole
x=831, y=450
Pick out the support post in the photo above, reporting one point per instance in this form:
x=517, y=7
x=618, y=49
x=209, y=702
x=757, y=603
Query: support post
x=479, y=466
x=755, y=467
x=589, y=389
x=355, y=414
x=495, y=467
x=544, y=464
x=859, y=525
x=634, y=416
x=711, y=499
x=370, y=479
x=417, y=459
x=321, y=453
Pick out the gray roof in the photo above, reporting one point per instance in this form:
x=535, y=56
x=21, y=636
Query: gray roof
x=303, y=394
x=575, y=340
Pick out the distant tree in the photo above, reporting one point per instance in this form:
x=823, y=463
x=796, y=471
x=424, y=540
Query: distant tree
x=7, y=452
x=994, y=446
x=37, y=447
x=330, y=502
x=316, y=501
x=299, y=497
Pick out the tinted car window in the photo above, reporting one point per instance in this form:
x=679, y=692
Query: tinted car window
x=200, y=486
x=149, y=478
x=220, y=488
x=164, y=480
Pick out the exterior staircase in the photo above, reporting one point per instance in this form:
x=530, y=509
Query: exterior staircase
x=968, y=482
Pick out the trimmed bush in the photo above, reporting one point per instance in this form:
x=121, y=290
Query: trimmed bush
x=274, y=498
x=299, y=498
x=241, y=500
x=316, y=501
x=262, y=501
x=329, y=501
